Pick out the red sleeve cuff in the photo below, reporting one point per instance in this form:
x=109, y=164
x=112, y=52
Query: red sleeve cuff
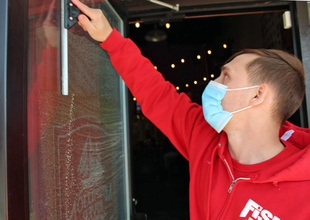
x=113, y=42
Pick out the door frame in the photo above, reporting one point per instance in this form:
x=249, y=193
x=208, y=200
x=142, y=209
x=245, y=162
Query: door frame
x=17, y=206
x=302, y=23
x=3, y=70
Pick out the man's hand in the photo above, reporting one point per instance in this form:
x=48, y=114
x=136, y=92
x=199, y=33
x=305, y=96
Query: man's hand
x=98, y=26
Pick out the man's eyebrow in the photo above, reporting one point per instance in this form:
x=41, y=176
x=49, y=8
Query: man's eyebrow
x=225, y=68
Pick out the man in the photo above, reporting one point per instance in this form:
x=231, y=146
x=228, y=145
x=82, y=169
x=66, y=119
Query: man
x=244, y=171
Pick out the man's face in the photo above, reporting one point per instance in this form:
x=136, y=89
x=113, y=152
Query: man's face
x=234, y=75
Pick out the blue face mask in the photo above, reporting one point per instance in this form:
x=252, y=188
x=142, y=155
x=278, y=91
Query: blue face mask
x=212, y=108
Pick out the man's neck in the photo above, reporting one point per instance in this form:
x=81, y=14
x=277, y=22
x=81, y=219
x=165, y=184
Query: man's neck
x=252, y=146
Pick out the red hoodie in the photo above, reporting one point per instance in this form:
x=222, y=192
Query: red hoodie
x=275, y=189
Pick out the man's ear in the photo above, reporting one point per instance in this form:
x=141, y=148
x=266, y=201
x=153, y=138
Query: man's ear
x=260, y=95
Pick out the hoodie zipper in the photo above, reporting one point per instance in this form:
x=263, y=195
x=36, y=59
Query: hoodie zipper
x=234, y=181
x=233, y=178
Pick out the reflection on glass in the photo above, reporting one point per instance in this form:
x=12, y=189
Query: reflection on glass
x=77, y=166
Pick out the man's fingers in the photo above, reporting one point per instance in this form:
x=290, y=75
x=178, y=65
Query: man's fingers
x=82, y=26
x=85, y=23
x=84, y=8
x=93, y=21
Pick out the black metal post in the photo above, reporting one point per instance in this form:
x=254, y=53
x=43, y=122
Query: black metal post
x=17, y=159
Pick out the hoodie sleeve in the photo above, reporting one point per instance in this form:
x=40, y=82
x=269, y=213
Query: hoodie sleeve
x=173, y=113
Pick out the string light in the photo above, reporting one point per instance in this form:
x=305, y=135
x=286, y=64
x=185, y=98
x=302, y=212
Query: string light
x=182, y=61
x=225, y=46
x=195, y=82
x=177, y=88
x=155, y=67
x=167, y=25
x=134, y=98
x=137, y=24
x=204, y=78
x=198, y=57
x=172, y=66
x=186, y=85
x=212, y=75
x=209, y=52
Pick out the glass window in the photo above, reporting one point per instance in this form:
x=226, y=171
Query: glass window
x=76, y=143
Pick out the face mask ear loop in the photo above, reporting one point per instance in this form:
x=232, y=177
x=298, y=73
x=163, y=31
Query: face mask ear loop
x=259, y=102
x=250, y=87
x=246, y=108
x=241, y=109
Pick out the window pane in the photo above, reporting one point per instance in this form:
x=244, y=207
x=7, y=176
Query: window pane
x=77, y=155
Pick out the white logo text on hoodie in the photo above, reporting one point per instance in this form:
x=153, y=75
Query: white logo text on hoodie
x=257, y=212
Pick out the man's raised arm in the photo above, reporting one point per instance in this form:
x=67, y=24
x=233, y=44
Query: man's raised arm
x=173, y=113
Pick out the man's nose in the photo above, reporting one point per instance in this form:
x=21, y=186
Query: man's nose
x=218, y=79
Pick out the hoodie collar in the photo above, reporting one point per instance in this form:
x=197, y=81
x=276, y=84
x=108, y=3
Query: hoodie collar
x=293, y=168
x=299, y=137
x=296, y=167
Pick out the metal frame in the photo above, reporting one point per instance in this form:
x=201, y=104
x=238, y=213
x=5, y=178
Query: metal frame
x=64, y=51
x=121, y=12
x=126, y=140
x=302, y=23
x=3, y=70
x=176, y=7
x=16, y=110
x=125, y=117
x=296, y=38
x=212, y=8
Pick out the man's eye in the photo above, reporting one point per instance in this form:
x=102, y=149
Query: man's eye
x=225, y=76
